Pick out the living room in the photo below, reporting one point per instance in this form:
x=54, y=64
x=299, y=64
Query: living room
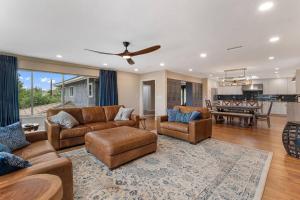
x=149, y=99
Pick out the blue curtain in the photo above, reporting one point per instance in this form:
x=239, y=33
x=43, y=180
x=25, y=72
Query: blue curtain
x=108, y=88
x=9, y=105
x=189, y=94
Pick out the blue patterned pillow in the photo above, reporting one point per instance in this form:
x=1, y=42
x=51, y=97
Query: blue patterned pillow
x=183, y=117
x=195, y=116
x=13, y=136
x=4, y=148
x=10, y=162
x=172, y=114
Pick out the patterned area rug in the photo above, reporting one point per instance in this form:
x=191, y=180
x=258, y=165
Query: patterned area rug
x=178, y=170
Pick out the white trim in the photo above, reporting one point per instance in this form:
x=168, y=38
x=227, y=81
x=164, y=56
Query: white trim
x=92, y=91
x=73, y=91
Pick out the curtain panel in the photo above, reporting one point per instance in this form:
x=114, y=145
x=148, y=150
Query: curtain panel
x=108, y=87
x=9, y=105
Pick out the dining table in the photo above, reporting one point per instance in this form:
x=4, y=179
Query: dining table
x=241, y=108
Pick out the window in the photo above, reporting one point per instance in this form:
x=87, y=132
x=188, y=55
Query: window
x=71, y=92
x=90, y=89
x=40, y=91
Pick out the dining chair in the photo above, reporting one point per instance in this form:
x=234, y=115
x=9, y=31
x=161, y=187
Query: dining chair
x=237, y=103
x=208, y=104
x=252, y=103
x=226, y=102
x=266, y=116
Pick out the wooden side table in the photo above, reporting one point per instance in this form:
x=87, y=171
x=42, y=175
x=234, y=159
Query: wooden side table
x=35, y=187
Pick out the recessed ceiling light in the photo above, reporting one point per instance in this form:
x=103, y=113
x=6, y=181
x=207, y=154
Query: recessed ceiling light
x=203, y=55
x=266, y=6
x=162, y=64
x=58, y=56
x=105, y=64
x=276, y=68
x=190, y=70
x=271, y=58
x=274, y=39
x=136, y=69
x=276, y=72
x=254, y=77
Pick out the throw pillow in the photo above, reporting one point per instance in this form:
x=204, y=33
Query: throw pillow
x=64, y=119
x=118, y=117
x=13, y=136
x=195, y=116
x=10, y=162
x=172, y=114
x=183, y=117
x=4, y=148
x=126, y=113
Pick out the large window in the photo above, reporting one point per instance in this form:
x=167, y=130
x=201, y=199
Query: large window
x=40, y=91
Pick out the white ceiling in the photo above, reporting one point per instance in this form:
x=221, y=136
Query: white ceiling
x=184, y=29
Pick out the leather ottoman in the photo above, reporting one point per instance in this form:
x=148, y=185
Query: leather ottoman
x=120, y=145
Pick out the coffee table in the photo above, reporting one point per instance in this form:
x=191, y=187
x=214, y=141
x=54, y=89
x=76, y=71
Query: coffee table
x=120, y=145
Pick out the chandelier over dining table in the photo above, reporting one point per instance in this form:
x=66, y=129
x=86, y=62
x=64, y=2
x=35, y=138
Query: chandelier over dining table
x=235, y=77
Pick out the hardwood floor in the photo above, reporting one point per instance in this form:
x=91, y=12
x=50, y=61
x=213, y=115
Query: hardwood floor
x=283, y=180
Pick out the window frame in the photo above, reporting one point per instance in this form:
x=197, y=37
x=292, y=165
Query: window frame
x=90, y=89
x=71, y=87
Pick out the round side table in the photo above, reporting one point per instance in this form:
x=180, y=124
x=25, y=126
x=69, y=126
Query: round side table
x=35, y=187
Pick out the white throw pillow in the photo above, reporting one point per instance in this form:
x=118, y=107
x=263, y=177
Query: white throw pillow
x=64, y=119
x=124, y=114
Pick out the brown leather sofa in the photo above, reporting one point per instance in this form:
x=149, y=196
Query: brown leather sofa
x=193, y=132
x=44, y=160
x=90, y=119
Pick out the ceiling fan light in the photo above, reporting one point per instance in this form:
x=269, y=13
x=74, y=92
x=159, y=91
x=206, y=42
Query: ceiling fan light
x=126, y=57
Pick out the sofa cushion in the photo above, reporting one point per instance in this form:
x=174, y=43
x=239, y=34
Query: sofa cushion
x=77, y=131
x=175, y=126
x=100, y=125
x=43, y=158
x=125, y=123
x=64, y=119
x=75, y=112
x=10, y=162
x=93, y=114
x=35, y=149
x=13, y=136
x=4, y=148
x=111, y=111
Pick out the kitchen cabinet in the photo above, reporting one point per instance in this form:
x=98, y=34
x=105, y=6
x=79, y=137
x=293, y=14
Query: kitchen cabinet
x=230, y=90
x=279, y=86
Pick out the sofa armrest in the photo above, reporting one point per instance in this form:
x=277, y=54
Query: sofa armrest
x=200, y=130
x=160, y=119
x=53, y=131
x=61, y=167
x=36, y=136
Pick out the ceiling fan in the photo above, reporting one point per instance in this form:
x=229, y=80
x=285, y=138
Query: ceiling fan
x=128, y=55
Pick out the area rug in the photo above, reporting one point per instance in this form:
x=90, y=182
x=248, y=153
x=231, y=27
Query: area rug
x=178, y=170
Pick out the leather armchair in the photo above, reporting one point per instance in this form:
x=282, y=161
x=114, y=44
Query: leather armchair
x=193, y=132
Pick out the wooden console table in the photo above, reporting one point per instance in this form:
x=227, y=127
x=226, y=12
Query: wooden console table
x=35, y=187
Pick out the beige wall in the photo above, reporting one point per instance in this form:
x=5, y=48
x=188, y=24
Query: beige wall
x=183, y=77
x=160, y=79
x=298, y=81
x=129, y=90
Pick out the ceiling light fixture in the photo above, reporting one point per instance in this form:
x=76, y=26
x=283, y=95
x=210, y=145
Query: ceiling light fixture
x=271, y=58
x=105, y=64
x=274, y=39
x=276, y=72
x=266, y=6
x=162, y=64
x=276, y=68
x=126, y=57
x=203, y=55
x=190, y=70
x=58, y=56
x=136, y=69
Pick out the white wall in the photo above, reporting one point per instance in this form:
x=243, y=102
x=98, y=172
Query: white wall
x=129, y=90
x=298, y=81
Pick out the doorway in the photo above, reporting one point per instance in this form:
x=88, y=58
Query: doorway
x=149, y=98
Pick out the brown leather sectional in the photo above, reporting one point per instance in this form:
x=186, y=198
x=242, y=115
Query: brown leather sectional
x=44, y=160
x=193, y=132
x=90, y=119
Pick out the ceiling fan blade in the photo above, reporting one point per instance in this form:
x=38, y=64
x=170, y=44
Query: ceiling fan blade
x=130, y=61
x=144, y=51
x=115, y=54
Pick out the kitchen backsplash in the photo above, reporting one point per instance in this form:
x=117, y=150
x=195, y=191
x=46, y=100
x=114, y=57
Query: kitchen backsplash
x=259, y=97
